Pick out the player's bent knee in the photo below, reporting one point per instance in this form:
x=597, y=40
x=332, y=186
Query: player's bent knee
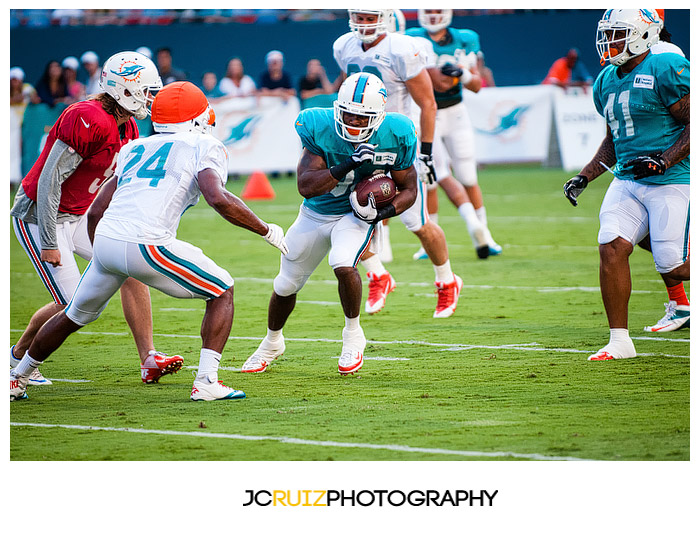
x=81, y=318
x=285, y=286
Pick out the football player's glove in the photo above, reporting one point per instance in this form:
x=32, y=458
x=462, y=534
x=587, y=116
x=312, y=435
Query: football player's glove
x=426, y=170
x=364, y=152
x=275, y=237
x=367, y=213
x=574, y=187
x=647, y=166
x=450, y=69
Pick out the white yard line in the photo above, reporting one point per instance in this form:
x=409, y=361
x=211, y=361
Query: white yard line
x=448, y=347
x=311, y=442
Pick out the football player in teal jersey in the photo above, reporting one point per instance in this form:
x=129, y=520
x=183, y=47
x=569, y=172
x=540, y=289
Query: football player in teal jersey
x=452, y=68
x=342, y=146
x=645, y=100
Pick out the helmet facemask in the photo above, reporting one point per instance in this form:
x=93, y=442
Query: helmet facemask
x=368, y=32
x=626, y=33
x=434, y=22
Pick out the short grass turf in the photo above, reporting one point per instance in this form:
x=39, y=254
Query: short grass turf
x=505, y=378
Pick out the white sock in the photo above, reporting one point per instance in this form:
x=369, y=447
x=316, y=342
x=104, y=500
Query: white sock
x=620, y=344
x=443, y=273
x=27, y=365
x=481, y=214
x=273, y=335
x=351, y=324
x=373, y=264
x=466, y=210
x=209, y=364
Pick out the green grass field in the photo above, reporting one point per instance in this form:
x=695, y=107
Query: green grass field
x=505, y=378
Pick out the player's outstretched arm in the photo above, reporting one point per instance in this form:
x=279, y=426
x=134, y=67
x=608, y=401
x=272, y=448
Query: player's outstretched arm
x=99, y=205
x=235, y=211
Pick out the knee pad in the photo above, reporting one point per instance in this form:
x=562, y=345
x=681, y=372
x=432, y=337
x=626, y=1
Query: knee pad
x=284, y=285
x=465, y=172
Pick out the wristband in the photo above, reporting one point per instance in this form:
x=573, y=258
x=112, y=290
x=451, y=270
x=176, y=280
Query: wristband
x=339, y=171
x=384, y=213
x=426, y=147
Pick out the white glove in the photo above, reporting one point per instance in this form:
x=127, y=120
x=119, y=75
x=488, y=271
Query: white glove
x=367, y=213
x=426, y=169
x=275, y=237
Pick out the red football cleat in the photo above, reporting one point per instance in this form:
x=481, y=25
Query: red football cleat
x=159, y=364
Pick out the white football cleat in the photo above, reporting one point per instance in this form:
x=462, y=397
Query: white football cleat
x=610, y=352
x=203, y=389
x=266, y=353
x=379, y=289
x=36, y=377
x=420, y=255
x=448, y=296
x=18, y=386
x=351, y=356
x=676, y=317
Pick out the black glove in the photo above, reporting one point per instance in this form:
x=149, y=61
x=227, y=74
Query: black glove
x=450, y=69
x=574, y=187
x=426, y=170
x=647, y=166
x=364, y=152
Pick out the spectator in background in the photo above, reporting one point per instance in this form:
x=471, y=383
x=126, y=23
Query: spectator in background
x=20, y=91
x=20, y=95
x=315, y=82
x=146, y=52
x=91, y=64
x=236, y=83
x=51, y=87
x=75, y=89
x=275, y=81
x=485, y=73
x=210, y=87
x=569, y=72
x=168, y=73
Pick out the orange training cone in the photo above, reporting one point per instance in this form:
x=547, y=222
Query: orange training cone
x=258, y=187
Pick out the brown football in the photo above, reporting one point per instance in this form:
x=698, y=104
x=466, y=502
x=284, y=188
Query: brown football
x=381, y=185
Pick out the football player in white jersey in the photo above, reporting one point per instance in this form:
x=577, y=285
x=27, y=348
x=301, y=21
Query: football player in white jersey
x=452, y=68
x=133, y=223
x=400, y=63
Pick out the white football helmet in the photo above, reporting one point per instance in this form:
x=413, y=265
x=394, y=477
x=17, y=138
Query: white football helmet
x=182, y=107
x=626, y=33
x=396, y=21
x=368, y=33
x=132, y=80
x=361, y=94
x=434, y=22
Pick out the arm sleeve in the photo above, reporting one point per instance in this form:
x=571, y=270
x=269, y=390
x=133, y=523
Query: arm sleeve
x=60, y=164
x=673, y=78
x=304, y=127
x=214, y=156
x=82, y=130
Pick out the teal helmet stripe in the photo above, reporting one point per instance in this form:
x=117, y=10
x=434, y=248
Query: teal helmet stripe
x=360, y=88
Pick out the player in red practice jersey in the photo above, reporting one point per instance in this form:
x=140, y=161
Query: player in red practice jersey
x=48, y=213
